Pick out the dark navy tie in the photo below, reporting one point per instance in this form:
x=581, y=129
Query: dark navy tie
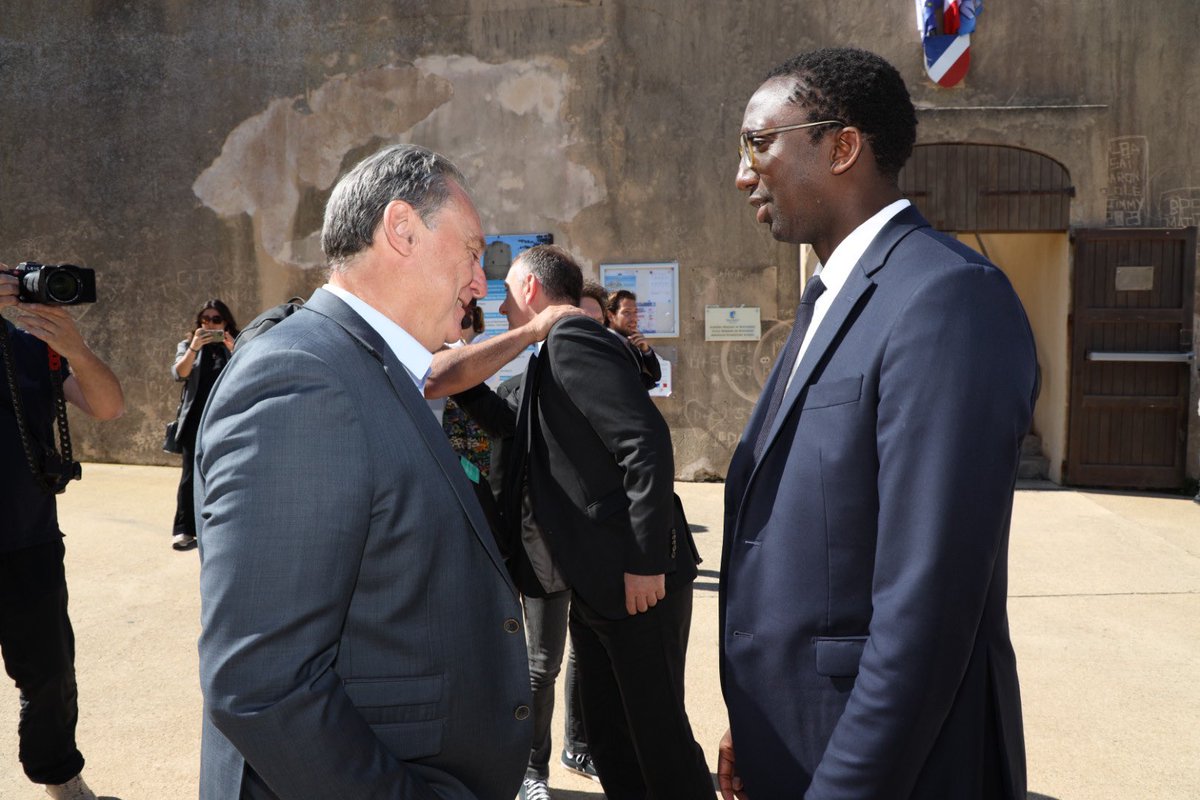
x=787, y=359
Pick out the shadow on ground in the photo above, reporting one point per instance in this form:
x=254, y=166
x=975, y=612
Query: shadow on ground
x=707, y=586
x=573, y=794
x=1036, y=796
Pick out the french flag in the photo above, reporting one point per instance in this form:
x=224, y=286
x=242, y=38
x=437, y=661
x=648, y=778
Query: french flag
x=948, y=53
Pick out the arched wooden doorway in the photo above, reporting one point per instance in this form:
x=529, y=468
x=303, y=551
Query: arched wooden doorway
x=988, y=188
x=1013, y=205
x=1110, y=309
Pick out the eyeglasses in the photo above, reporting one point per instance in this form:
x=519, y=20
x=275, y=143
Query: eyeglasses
x=215, y=319
x=746, y=148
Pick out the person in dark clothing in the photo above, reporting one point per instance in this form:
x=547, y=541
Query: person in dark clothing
x=199, y=359
x=599, y=471
x=593, y=299
x=623, y=321
x=36, y=639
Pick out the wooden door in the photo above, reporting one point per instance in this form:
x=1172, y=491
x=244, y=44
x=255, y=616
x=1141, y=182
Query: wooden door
x=1131, y=342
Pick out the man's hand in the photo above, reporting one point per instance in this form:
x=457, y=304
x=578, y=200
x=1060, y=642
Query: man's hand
x=728, y=782
x=639, y=341
x=8, y=289
x=642, y=592
x=54, y=326
x=91, y=385
x=540, y=325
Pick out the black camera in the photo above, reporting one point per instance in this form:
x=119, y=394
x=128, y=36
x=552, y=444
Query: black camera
x=55, y=284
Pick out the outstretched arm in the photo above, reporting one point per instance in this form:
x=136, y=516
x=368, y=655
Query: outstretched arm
x=457, y=369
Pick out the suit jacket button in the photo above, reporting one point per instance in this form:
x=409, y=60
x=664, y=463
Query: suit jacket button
x=511, y=626
x=522, y=713
x=673, y=543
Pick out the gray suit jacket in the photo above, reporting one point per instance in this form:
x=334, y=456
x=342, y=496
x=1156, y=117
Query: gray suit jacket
x=361, y=636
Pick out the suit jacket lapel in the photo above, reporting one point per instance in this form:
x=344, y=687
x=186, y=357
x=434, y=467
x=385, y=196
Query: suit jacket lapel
x=516, y=460
x=857, y=284
x=330, y=305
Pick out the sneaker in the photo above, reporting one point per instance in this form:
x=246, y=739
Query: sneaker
x=580, y=764
x=534, y=789
x=74, y=789
x=183, y=541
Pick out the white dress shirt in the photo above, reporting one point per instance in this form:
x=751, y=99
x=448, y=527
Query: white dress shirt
x=411, y=353
x=841, y=262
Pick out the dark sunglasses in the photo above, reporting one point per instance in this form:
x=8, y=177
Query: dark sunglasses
x=216, y=319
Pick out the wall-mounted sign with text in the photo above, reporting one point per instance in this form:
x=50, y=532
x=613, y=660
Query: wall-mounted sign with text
x=732, y=324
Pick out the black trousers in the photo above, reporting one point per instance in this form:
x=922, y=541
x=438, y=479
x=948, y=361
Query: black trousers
x=631, y=682
x=38, y=647
x=185, y=507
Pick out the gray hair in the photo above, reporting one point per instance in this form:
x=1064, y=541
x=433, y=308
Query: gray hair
x=407, y=172
x=557, y=271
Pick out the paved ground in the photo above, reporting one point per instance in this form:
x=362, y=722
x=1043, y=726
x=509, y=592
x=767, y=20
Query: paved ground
x=1104, y=605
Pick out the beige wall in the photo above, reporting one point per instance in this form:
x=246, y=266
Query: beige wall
x=1038, y=266
x=185, y=150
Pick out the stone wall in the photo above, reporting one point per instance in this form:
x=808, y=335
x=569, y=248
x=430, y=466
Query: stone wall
x=185, y=150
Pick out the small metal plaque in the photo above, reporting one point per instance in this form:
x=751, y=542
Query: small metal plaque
x=732, y=324
x=1135, y=279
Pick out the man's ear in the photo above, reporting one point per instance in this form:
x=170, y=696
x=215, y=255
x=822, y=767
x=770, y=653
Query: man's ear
x=848, y=145
x=532, y=287
x=400, y=226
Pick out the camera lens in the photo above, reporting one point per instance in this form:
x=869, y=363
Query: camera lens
x=62, y=286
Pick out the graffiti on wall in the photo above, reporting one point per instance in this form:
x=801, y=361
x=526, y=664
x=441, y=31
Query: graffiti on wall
x=1128, y=170
x=1180, y=207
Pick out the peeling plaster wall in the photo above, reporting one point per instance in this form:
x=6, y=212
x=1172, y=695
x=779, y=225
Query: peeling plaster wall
x=186, y=150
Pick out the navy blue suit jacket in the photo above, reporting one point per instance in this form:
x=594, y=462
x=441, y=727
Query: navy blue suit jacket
x=864, y=635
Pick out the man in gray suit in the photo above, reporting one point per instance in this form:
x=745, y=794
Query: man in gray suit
x=361, y=636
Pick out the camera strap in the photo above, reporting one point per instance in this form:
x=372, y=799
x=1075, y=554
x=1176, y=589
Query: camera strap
x=60, y=468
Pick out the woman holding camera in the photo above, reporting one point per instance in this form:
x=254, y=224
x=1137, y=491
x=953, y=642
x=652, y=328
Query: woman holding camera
x=199, y=359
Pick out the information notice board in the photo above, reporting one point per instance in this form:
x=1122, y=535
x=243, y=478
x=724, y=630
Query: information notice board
x=657, y=288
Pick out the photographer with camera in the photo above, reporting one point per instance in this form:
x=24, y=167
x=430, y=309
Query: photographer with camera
x=36, y=640
x=199, y=359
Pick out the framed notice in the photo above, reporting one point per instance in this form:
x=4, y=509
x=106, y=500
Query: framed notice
x=657, y=288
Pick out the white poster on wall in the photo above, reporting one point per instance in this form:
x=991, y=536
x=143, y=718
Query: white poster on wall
x=657, y=288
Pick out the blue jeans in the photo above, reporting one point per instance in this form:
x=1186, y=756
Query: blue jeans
x=546, y=636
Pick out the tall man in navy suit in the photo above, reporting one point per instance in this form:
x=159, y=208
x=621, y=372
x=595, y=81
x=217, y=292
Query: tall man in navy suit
x=864, y=636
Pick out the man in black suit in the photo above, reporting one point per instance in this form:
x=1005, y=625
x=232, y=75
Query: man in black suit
x=600, y=474
x=623, y=321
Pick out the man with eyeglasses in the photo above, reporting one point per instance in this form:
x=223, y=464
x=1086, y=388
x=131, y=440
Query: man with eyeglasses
x=864, y=635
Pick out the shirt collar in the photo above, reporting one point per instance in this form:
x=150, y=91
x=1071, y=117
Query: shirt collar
x=851, y=249
x=411, y=353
